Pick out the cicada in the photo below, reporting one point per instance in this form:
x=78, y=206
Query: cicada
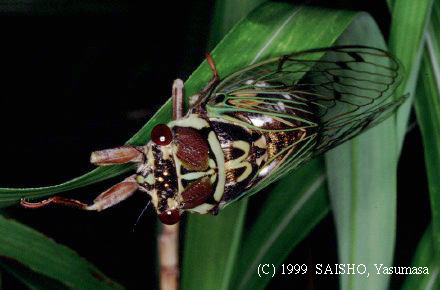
x=246, y=131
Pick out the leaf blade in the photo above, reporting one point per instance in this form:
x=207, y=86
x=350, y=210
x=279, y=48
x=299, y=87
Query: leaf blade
x=408, y=18
x=362, y=185
x=44, y=256
x=286, y=218
x=423, y=258
x=427, y=107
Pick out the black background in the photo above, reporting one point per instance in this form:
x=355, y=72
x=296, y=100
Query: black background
x=82, y=76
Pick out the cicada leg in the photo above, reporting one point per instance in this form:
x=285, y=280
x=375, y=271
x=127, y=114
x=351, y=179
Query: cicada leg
x=215, y=77
x=115, y=194
x=53, y=200
x=177, y=97
x=118, y=155
x=108, y=198
x=212, y=83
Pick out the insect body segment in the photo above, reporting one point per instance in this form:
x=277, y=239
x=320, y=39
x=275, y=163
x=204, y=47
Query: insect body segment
x=253, y=127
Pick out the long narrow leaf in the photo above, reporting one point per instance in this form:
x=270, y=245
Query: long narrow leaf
x=409, y=18
x=286, y=218
x=31, y=279
x=426, y=263
x=427, y=104
x=427, y=100
x=362, y=183
x=362, y=173
x=227, y=13
x=210, y=249
x=21, y=244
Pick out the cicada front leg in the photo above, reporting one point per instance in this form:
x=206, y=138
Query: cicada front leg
x=110, y=197
x=115, y=194
x=118, y=155
x=53, y=200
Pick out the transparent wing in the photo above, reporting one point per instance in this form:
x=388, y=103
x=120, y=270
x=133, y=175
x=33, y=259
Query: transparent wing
x=341, y=90
x=335, y=93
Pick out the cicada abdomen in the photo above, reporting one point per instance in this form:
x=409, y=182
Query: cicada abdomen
x=249, y=129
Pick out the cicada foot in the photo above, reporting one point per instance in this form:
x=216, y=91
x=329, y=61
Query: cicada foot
x=108, y=198
x=118, y=155
x=211, y=63
x=215, y=77
x=195, y=99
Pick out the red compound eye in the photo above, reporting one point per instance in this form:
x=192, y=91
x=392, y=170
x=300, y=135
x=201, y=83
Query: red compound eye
x=170, y=217
x=161, y=135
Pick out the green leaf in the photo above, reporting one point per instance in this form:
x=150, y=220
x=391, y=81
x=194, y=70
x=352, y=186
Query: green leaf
x=28, y=247
x=362, y=183
x=210, y=248
x=427, y=104
x=408, y=26
x=285, y=219
x=412, y=19
x=362, y=173
x=423, y=258
x=226, y=14
x=10, y=196
x=29, y=278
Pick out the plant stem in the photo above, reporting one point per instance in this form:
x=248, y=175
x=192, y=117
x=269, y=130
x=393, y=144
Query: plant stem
x=169, y=257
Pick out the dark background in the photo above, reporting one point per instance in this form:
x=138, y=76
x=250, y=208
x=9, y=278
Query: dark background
x=82, y=76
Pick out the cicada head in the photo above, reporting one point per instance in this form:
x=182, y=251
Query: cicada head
x=173, y=152
x=158, y=177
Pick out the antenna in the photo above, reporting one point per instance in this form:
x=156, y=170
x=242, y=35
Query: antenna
x=139, y=217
